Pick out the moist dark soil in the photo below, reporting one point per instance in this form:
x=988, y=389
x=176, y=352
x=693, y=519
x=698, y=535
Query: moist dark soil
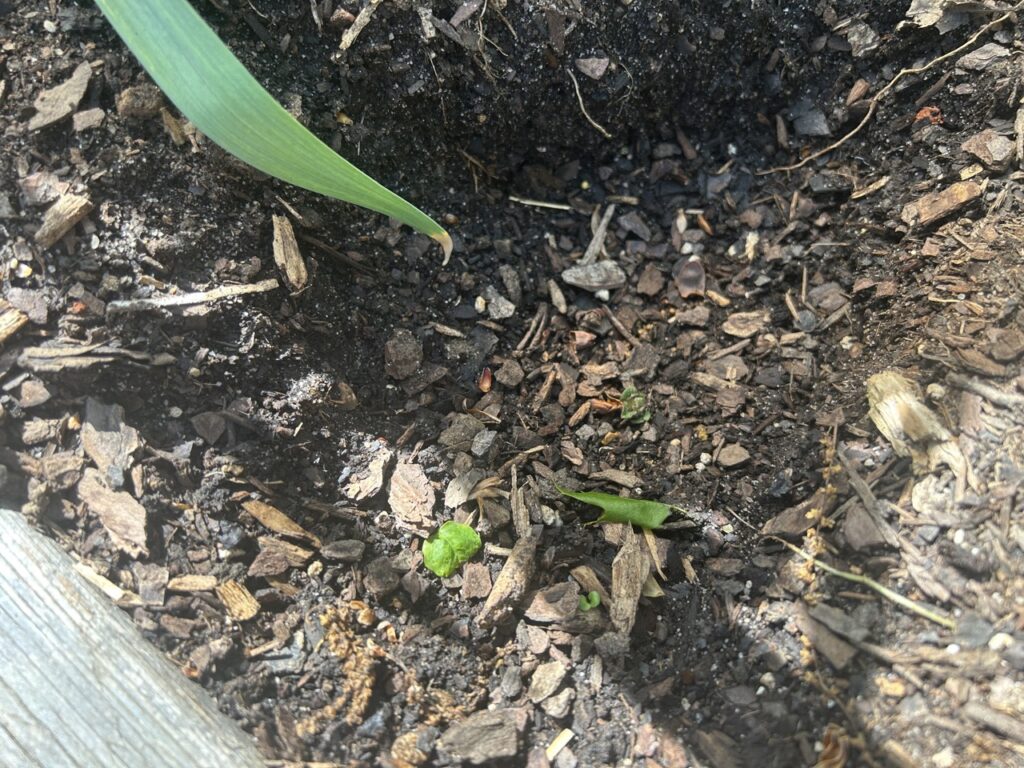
x=726, y=374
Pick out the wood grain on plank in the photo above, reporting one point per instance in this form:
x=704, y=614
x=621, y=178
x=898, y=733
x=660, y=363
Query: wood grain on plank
x=79, y=685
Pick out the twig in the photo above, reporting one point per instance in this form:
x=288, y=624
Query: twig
x=597, y=241
x=870, y=501
x=877, y=98
x=190, y=299
x=357, y=26
x=540, y=203
x=885, y=592
x=583, y=109
x=990, y=393
x=617, y=324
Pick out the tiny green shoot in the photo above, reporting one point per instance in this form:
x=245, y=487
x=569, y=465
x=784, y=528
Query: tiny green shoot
x=215, y=91
x=615, y=509
x=449, y=547
x=634, y=406
x=589, y=601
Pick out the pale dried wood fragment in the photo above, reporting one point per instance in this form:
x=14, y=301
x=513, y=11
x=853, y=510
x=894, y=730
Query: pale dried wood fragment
x=238, y=601
x=12, y=320
x=61, y=217
x=279, y=522
x=287, y=255
x=192, y=582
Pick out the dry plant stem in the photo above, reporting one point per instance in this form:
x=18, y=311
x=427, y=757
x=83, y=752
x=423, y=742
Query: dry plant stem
x=583, y=109
x=885, y=592
x=992, y=394
x=877, y=98
x=597, y=241
x=540, y=203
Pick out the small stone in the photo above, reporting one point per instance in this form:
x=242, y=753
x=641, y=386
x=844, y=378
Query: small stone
x=381, y=579
x=459, y=436
x=555, y=603
x=812, y=123
x=558, y=706
x=498, y=307
x=1000, y=641
x=993, y=150
x=593, y=68
x=510, y=374
x=88, y=119
x=483, y=442
x=862, y=38
x=140, y=102
x=511, y=682
x=344, y=551
x=476, y=581
x=598, y=276
x=60, y=101
x=403, y=354
x=983, y=58
x=545, y=681
x=651, y=281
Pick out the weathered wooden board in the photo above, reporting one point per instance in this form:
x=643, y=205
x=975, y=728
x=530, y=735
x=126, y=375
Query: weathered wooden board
x=79, y=685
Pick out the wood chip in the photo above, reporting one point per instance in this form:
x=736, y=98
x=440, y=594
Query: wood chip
x=512, y=582
x=938, y=205
x=411, y=495
x=11, y=320
x=120, y=514
x=61, y=217
x=629, y=572
x=287, y=255
x=238, y=601
x=279, y=522
x=357, y=26
x=192, y=582
x=277, y=556
x=108, y=441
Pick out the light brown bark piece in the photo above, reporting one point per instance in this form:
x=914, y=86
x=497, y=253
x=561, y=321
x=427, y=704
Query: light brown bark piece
x=61, y=217
x=287, y=255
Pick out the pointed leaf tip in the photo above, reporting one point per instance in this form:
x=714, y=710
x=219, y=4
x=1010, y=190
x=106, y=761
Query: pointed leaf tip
x=445, y=240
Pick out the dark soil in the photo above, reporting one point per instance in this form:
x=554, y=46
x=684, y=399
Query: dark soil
x=754, y=387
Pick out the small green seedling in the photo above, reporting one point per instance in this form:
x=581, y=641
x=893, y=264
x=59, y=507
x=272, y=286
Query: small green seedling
x=215, y=91
x=615, y=509
x=634, y=406
x=449, y=547
x=589, y=601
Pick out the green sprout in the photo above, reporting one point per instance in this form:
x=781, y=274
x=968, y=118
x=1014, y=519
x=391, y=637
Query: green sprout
x=634, y=406
x=616, y=509
x=212, y=88
x=589, y=601
x=449, y=547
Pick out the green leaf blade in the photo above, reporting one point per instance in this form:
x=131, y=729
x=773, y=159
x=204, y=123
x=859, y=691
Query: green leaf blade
x=615, y=509
x=211, y=87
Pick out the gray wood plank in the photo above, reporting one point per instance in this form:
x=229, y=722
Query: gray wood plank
x=79, y=685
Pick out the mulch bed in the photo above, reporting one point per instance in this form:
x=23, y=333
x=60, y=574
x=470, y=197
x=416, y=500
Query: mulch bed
x=819, y=365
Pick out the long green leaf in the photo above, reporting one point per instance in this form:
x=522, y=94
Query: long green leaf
x=215, y=91
x=615, y=509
